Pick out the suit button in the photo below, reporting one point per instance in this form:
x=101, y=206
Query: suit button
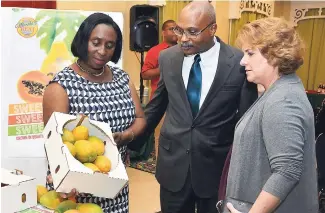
x=187, y=151
x=193, y=126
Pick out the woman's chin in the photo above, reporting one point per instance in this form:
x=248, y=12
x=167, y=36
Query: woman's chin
x=250, y=79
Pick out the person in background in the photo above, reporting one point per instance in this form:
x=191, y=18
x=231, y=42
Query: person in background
x=203, y=90
x=273, y=161
x=150, y=69
x=102, y=92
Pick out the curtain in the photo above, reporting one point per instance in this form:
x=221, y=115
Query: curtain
x=171, y=10
x=312, y=31
x=237, y=24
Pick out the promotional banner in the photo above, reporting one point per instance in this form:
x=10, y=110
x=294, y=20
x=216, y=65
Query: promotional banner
x=36, y=44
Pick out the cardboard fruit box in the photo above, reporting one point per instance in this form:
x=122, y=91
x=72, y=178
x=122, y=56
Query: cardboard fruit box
x=18, y=191
x=69, y=173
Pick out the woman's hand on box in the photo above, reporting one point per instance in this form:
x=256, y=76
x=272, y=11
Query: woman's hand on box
x=73, y=192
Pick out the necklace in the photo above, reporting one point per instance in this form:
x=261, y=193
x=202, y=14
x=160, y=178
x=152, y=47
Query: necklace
x=87, y=71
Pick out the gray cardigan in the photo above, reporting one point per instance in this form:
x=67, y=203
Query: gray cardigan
x=274, y=149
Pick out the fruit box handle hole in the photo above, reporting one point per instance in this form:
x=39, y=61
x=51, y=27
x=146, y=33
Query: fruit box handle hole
x=49, y=134
x=17, y=172
x=23, y=198
x=57, y=169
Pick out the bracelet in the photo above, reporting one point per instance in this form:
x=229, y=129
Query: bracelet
x=132, y=136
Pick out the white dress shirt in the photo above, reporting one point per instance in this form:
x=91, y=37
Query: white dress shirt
x=208, y=63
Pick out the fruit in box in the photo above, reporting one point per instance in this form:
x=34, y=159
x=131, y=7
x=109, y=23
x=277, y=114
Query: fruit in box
x=80, y=133
x=68, y=136
x=50, y=200
x=41, y=190
x=85, y=151
x=72, y=211
x=53, y=201
x=98, y=144
x=71, y=148
x=89, y=208
x=65, y=206
x=103, y=164
x=88, y=149
x=82, y=208
x=92, y=167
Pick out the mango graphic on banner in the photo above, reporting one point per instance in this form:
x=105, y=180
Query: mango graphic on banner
x=31, y=86
x=57, y=23
x=27, y=27
x=25, y=121
x=58, y=58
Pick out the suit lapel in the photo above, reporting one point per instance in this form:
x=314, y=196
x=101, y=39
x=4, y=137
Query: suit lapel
x=176, y=65
x=225, y=64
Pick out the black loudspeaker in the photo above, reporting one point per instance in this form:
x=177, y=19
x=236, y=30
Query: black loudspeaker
x=144, y=27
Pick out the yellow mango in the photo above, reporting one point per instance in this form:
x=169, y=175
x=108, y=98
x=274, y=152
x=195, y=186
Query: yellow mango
x=92, y=167
x=85, y=152
x=80, y=133
x=72, y=211
x=89, y=208
x=68, y=136
x=41, y=190
x=103, y=164
x=65, y=206
x=98, y=144
x=50, y=200
x=71, y=148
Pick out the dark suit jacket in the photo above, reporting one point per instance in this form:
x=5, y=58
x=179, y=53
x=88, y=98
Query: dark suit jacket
x=197, y=144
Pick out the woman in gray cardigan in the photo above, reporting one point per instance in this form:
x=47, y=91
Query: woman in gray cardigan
x=273, y=163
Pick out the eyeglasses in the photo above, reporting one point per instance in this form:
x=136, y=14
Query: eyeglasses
x=191, y=35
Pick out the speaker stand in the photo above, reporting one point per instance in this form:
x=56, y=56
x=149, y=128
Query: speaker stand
x=141, y=79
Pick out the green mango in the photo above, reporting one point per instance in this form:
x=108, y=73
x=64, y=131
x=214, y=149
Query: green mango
x=65, y=206
x=50, y=200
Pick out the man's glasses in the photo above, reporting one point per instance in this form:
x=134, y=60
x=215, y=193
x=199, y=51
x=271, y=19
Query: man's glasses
x=191, y=35
x=171, y=28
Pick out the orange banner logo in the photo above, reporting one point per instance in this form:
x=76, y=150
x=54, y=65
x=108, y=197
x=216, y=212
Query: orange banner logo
x=27, y=27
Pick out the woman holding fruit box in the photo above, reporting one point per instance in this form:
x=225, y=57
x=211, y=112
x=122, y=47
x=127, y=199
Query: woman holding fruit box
x=102, y=92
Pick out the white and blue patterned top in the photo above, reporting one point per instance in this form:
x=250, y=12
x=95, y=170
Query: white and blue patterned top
x=109, y=102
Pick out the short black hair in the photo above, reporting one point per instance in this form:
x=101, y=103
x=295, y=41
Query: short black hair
x=165, y=24
x=79, y=45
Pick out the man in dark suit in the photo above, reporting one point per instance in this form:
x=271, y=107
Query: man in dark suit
x=203, y=90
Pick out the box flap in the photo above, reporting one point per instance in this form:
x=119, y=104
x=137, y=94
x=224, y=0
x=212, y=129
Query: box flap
x=98, y=184
x=54, y=149
x=57, y=119
x=13, y=178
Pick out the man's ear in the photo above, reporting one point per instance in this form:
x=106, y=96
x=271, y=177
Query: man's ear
x=213, y=29
x=163, y=32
